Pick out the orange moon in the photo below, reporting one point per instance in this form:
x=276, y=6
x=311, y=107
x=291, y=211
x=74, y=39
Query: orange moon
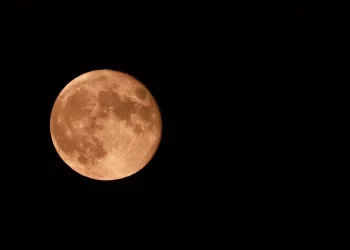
x=105, y=125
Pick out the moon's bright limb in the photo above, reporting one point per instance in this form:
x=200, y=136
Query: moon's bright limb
x=105, y=125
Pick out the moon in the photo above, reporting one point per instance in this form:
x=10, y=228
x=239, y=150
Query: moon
x=105, y=125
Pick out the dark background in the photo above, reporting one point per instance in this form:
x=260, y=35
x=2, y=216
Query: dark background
x=237, y=92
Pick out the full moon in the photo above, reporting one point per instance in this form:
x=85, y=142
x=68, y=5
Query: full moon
x=105, y=125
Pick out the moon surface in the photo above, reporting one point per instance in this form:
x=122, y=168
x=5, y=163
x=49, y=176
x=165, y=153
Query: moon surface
x=105, y=125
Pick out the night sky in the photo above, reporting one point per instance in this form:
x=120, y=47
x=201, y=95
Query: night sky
x=236, y=90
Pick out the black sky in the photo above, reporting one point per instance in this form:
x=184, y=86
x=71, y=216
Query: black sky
x=236, y=92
